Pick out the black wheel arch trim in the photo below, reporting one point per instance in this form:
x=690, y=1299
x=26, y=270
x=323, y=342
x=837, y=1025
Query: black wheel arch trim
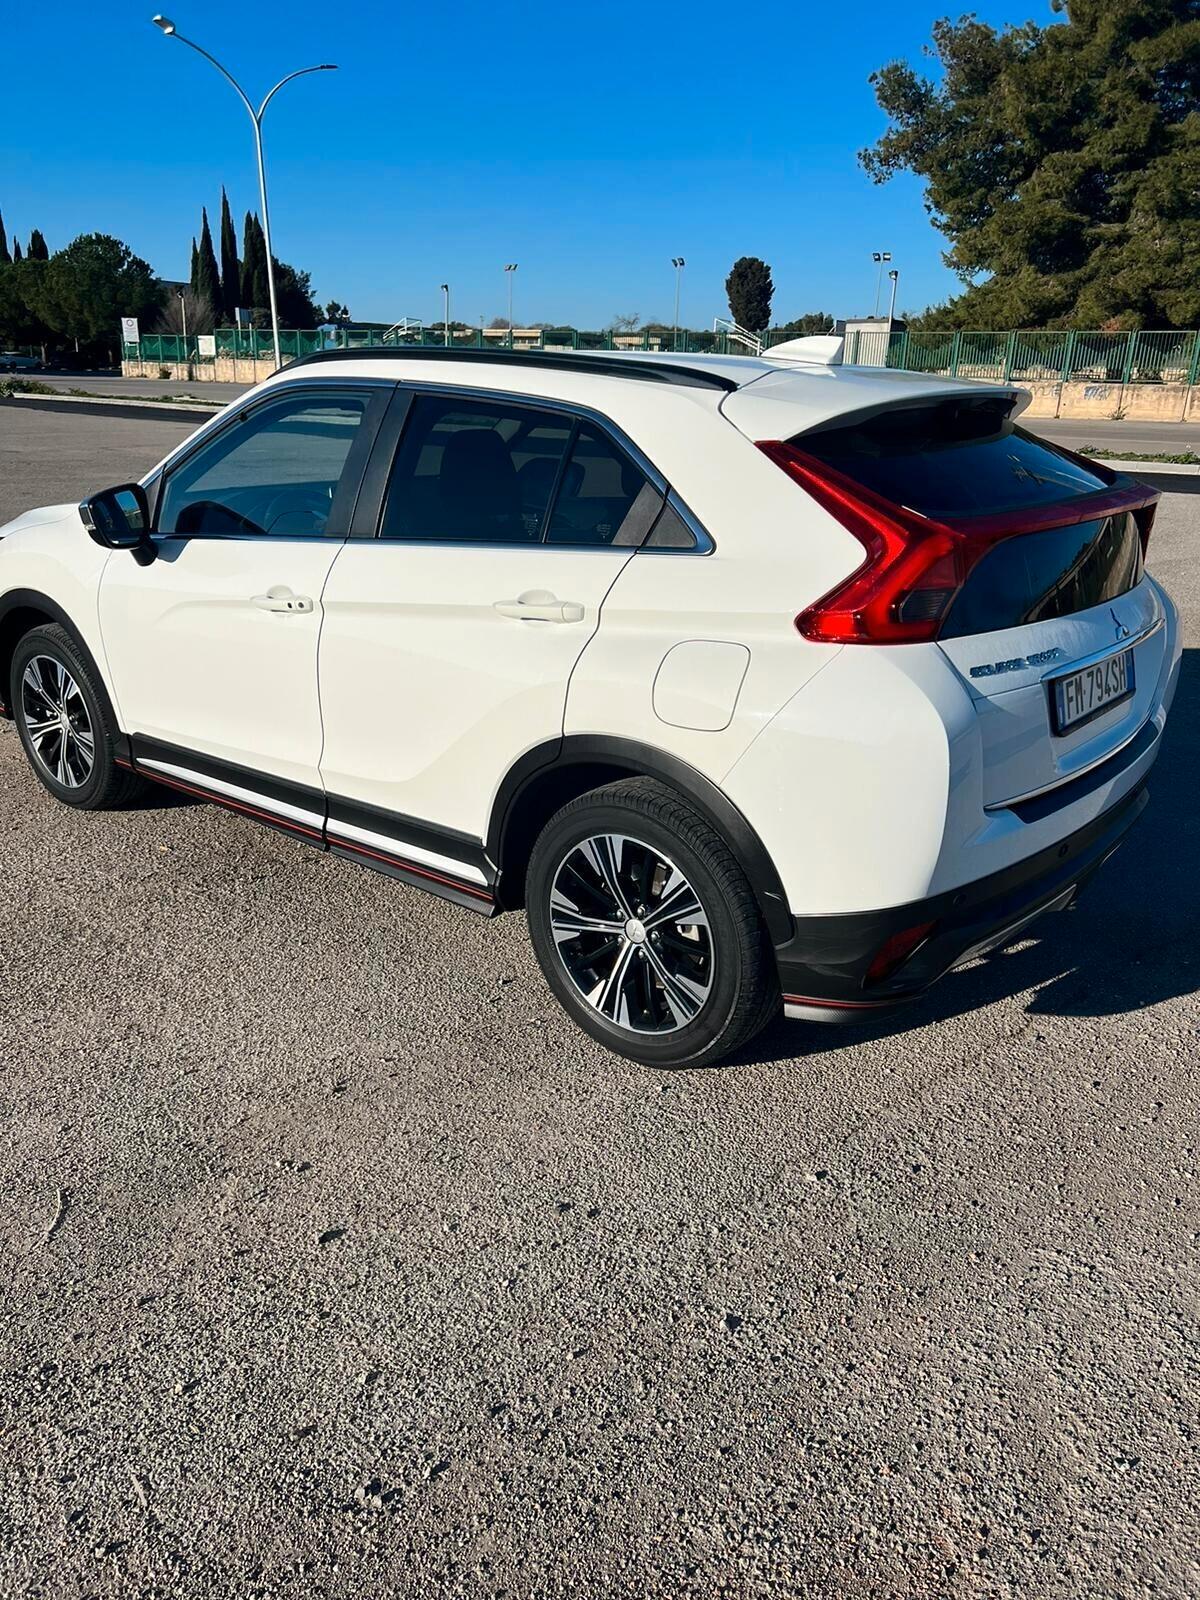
x=35, y=600
x=643, y=760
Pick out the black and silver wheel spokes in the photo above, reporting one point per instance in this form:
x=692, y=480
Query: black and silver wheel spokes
x=56, y=719
x=632, y=934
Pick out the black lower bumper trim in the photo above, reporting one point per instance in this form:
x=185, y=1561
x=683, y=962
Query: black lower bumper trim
x=824, y=965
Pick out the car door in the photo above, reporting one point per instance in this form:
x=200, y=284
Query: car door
x=212, y=648
x=451, y=631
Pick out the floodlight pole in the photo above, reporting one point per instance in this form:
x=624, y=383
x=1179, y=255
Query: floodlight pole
x=169, y=28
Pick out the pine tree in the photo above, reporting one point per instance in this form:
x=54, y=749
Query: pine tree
x=749, y=288
x=5, y=258
x=208, y=279
x=255, y=292
x=1060, y=162
x=37, y=247
x=231, y=267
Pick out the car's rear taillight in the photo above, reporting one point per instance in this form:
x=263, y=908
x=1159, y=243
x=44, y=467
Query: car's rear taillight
x=916, y=565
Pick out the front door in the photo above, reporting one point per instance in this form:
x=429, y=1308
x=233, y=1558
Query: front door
x=212, y=648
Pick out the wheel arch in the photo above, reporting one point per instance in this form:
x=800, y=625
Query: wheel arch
x=24, y=609
x=546, y=778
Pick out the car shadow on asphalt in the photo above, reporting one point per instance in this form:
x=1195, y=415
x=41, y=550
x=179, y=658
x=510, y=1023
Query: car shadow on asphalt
x=1132, y=941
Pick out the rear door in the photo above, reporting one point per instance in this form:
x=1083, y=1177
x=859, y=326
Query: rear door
x=452, y=627
x=1055, y=632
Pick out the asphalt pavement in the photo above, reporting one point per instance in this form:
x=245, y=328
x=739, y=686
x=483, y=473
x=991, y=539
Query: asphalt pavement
x=339, y=1264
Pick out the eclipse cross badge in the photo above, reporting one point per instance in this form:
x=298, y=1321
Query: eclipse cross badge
x=1122, y=630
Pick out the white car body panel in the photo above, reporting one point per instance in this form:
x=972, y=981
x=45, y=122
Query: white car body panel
x=198, y=665
x=429, y=694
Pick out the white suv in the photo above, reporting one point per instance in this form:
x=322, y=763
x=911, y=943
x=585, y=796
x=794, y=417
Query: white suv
x=758, y=682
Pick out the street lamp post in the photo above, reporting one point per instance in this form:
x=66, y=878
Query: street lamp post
x=508, y=271
x=678, y=263
x=894, y=275
x=169, y=28
x=879, y=257
x=446, y=308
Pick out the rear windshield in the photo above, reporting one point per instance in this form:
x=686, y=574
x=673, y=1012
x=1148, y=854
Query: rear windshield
x=950, y=458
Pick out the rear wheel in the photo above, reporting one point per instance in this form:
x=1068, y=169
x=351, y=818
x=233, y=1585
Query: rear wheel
x=66, y=723
x=647, y=929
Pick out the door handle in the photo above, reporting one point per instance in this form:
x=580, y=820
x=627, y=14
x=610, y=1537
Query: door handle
x=539, y=605
x=280, y=598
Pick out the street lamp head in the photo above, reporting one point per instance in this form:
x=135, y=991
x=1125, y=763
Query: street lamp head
x=893, y=274
x=511, y=267
x=875, y=256
x=444, y=287
x=165, y=23
x=678, y=261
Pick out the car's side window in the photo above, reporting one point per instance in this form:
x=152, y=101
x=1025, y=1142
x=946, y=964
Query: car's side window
x=603, y=498
x=474, y=472
x=276, y=473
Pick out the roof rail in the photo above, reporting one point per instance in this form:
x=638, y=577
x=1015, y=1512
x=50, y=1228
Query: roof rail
x=566, y=361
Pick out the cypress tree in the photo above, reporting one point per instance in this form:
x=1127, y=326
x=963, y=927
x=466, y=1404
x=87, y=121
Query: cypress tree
x=195, y=267
x=37, y=247
x=255, y=292
x=5, y=258
x=16, y=253
x=231, y=269
x=208, y=279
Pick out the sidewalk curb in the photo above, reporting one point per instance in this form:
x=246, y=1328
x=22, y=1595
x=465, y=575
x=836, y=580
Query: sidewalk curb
x=1149, y=469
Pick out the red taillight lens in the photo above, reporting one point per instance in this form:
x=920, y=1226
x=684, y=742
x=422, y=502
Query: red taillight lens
x=915, y=565
x=913, y=570
x=893, y=952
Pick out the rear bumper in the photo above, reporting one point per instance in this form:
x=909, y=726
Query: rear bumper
x=823, y=967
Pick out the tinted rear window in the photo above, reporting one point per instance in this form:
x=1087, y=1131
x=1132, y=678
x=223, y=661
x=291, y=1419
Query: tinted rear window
x=952, y=458
x=1038, y=576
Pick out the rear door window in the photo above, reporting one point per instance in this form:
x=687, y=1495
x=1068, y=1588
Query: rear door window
x=602, y=498
x=474, y=472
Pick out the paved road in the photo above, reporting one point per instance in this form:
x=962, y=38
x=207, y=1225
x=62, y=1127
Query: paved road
x=336, y=1265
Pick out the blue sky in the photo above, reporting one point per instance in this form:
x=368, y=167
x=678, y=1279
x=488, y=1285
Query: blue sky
x=588, y=144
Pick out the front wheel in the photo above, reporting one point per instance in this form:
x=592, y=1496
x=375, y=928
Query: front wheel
x=646, y=928
x=66, y=723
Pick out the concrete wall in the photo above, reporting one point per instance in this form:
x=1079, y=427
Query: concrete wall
x=225, y=369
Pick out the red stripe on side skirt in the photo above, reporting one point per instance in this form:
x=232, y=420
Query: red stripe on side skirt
x=232, y=805
x=421, y=872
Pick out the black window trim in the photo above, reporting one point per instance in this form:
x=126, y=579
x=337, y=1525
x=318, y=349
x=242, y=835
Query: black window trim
x=368, y=519
x=377, y=390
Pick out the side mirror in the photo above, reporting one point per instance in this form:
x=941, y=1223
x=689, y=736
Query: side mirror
x=119, y=519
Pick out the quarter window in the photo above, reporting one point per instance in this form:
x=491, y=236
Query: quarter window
x=277, y=473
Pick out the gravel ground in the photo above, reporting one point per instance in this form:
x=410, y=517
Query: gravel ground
x=338, y=1265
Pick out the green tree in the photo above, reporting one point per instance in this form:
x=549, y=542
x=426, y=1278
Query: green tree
x=16, y=250
x=5, y=257
x=194, y=271
x=749, y=288
x=20, y=293
x=208, y=278
x=338, y=314
x=231, y=267
x=37, y=247
x=255, y=294
x=82, y=292
x=293, y=297
x=1062, y=163
x=810, y=322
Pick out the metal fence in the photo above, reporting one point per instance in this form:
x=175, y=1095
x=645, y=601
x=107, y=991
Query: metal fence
x=1037, y=355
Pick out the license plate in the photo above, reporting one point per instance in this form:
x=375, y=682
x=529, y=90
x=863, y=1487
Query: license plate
x=1077, y=697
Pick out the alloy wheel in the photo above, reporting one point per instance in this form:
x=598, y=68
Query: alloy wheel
x=56, y=719
x=632, y=934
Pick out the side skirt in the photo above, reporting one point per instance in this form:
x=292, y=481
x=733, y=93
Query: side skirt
x=401, y=847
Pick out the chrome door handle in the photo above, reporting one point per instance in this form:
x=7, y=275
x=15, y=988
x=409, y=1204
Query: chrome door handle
x=280, y=598
x=539, y=605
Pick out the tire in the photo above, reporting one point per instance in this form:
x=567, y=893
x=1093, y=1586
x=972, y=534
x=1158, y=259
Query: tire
x=50, y=671
x=667, y=992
